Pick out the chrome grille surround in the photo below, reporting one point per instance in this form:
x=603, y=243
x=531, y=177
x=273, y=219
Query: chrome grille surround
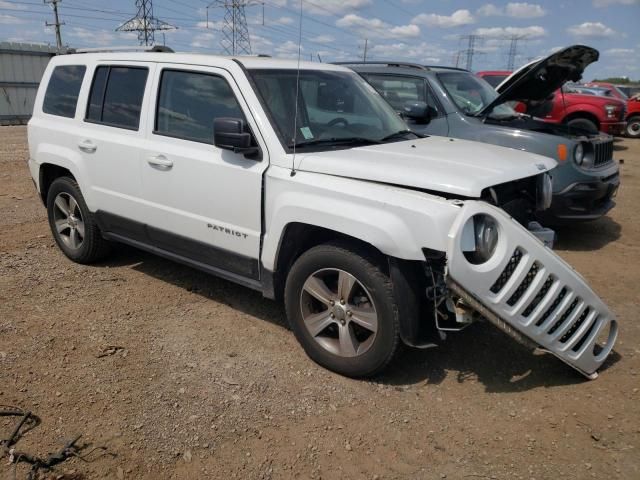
x=544, y=298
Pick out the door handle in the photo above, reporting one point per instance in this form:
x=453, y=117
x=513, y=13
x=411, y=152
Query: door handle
x=160, y=161
x=87, y=146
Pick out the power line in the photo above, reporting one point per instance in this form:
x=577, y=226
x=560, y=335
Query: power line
x=57, y=23
x=144, y=23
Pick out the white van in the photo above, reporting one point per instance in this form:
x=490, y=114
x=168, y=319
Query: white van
x=300, y=181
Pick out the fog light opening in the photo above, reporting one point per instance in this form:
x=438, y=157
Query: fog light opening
x=605, y=337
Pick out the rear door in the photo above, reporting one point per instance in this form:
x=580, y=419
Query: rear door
x=110, y=138
x=399, y=89
x=203, y=203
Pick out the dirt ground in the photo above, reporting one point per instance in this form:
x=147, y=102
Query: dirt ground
x=182, y=375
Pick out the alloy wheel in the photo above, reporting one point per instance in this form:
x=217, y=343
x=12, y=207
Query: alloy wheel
x=338, y=312
x=68, y=220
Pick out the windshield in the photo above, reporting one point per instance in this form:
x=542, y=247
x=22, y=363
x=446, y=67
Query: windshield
x=335, y=109
x=472, y=94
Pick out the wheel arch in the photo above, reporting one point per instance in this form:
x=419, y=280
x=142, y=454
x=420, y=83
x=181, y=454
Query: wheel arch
x=582, y=114
x=48, y=172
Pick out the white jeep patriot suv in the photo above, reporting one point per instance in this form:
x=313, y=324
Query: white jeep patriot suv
x=300, y=181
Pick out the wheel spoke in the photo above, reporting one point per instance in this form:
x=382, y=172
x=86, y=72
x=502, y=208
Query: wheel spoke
x=346, y=282
x=74, y=241
x=317, y=322
x=73, y=205
x=80, y=228
x=62, y=205
x=366, y=318
x=62, y=225
x=318, y=289
x=348, y=343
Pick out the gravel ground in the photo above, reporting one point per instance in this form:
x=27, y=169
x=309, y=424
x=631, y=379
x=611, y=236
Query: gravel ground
x=182, y=375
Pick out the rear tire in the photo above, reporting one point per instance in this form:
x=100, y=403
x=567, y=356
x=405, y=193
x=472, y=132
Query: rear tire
x=357, y=336
x=633, y=127
x=584, y=124
x=73, y=226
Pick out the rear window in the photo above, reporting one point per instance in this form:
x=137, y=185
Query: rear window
x=62, y=92
x=116, y=96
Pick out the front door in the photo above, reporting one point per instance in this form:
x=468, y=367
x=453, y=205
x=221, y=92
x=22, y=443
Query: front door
x=203, y=203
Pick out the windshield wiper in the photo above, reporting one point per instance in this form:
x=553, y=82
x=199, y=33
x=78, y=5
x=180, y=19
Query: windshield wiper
x=398, y=134
x=335, y=141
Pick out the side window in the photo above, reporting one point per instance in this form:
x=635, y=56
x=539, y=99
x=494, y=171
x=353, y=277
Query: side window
x=116, y=96
x=398, y=90
x=188, y=102
x=62, y=92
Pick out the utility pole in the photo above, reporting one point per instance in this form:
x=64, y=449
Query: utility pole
x=366, y=43
x=513, y=50
x=144, y=23
x=235, y=32
x=470, y=52
x=57, y=23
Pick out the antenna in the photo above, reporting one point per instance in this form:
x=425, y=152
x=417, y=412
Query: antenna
x=295, y=115
x=57, y=23
x=144, y=23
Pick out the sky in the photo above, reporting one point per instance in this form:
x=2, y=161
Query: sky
x=421, y=31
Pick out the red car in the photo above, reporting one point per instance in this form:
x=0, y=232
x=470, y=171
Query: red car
x=633, y=107
x=588, y=112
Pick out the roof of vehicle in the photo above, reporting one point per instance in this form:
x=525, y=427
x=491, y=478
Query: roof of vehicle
x=396, y=67
x=250, y=62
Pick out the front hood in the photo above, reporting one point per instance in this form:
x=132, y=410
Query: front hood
x=439, y=164
x=540, y=78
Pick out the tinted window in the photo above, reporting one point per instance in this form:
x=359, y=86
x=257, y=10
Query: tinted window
x=188, y=102
x=63, y=89
x=121, y=97
x=398, y=90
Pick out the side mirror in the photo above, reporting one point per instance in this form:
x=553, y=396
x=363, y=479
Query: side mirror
x=230, y=134
x=418, y=111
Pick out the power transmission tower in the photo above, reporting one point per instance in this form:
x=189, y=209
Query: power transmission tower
x=235, y=32
x=366, y=44
x=144, y=23
x=57, y=23
x=513, y=50
x=471, y=51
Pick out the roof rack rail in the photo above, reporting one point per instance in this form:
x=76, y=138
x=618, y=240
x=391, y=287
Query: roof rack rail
x=389, y=64
x=447, y=67
x=136, y=48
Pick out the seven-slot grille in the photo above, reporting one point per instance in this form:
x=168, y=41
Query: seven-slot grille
x=602, y=153
x=561, y=318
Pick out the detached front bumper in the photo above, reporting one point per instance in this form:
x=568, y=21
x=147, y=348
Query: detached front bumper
x=582, y=201
x=613, y=128
x=530, y=292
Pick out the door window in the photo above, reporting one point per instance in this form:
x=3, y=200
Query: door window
x=62, y=92
x=116, y=96
x=188, y=103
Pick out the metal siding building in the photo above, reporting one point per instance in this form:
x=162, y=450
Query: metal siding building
x=21, y=68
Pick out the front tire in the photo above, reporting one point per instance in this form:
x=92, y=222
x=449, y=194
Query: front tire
x=633, y=127
x=342, y=309
x=584, y=124
x=73, y=226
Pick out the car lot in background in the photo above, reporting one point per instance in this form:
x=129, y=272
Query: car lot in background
x=207, y=382
x=633, y=106
x=454, y=102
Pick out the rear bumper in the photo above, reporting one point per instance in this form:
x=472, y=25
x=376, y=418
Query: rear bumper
x=582, y=201
x=613, y=128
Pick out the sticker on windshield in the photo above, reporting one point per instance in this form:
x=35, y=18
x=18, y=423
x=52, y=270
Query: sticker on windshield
x=306, y=133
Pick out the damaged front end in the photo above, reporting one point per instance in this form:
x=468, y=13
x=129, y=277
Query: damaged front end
x=497, y=270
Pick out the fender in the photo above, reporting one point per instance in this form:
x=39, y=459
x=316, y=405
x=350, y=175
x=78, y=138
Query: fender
x=398, y=222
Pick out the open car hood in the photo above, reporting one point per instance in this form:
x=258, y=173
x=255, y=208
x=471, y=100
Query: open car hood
x=540, y=78
x=437, y=164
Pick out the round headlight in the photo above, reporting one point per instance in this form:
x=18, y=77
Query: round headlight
x=545, y=192
x=485, y=233
x=578, y=154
